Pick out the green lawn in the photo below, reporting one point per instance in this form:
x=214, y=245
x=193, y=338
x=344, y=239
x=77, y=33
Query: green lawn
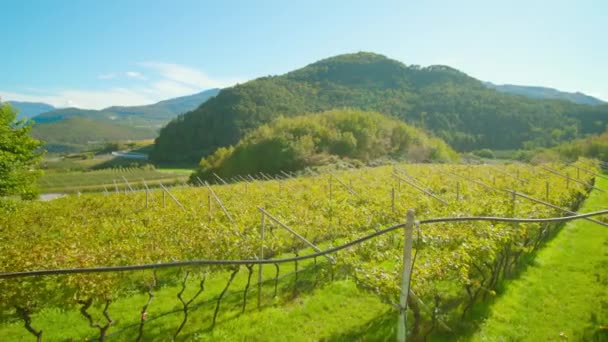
x=563, y=295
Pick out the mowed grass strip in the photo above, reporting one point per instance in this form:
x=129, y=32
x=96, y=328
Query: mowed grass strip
x=563, y=295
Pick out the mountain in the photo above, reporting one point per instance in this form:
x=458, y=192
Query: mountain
x=452, y=105
x=168, y=109
x=545, y=93
x=148, y=116
x=30, y=109
x=70, y=129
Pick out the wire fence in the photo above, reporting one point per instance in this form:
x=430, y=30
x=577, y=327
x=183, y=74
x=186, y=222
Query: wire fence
x=328, y=251
x=402, y=307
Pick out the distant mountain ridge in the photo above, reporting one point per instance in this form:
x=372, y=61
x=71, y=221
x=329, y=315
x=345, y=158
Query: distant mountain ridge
x=149, y=116
x=536, y=92
x=30, y=109
x=70, y=129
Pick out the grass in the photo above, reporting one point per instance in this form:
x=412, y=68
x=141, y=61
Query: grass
x=320, y=308
x=186, y=172
x=563, y=295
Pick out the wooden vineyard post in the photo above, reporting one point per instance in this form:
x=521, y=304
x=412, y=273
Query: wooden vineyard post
x=331, y=178
x=261, y=257
x=146, y=199
x=513, y=198
x=567, y=181
x=547, y=191
x=393, y=198
x=578, y=173
x=128, y=185
x=457, y=191
x=209, y=204
x=164, y=199
x=405, y=276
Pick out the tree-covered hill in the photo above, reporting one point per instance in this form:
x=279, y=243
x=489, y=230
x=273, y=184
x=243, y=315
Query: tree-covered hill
x=454, y=106
x=289, y=144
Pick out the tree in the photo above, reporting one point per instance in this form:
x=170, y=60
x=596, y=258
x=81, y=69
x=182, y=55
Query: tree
x=19, y=155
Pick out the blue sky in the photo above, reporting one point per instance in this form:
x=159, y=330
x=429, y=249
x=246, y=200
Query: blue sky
x=94, y=54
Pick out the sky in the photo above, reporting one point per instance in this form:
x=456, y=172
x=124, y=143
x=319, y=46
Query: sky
x=94, y=54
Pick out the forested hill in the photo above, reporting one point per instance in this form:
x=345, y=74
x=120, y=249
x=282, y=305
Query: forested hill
x=291, y=144
x=454, y=106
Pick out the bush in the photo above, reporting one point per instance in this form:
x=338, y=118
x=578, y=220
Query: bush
x=485, y=153
x=291, y=144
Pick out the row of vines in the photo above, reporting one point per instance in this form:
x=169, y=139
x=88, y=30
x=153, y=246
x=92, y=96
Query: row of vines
x=457, y=264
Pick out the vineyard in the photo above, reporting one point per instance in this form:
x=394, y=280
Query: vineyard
x=107, y=180
x=210, y=253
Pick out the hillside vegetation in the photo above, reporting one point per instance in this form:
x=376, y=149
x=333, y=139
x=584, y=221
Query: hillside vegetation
x=458, y=108
x=77, y=131
x=294, y=143
x=595, y=146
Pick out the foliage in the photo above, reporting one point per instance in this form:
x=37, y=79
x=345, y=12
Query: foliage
x=291, y=144
x=19, y=156
x=458, y=108
x=595, y=146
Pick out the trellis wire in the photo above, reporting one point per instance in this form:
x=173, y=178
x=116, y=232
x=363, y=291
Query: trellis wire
x=103, y=269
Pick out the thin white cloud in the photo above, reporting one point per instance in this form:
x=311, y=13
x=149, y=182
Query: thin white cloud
x=187, y=75
x=106, y=76
x=135, y=74
x=90, y=99
x=161, y=81
x=171, y=88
